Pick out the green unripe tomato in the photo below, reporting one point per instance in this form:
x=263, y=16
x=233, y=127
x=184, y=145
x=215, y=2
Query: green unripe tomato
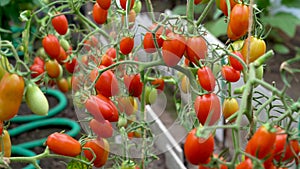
x=128, y=164
x=122, y=121
x=41, y=52
x=137, y=7
x=36, y=100
x=64, y=44
x=150, y=95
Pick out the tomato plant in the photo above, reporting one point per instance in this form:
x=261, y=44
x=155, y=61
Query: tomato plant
x=230, y=74
x=102, y=129
x=36, y=100
x=51, y=46
x=133, y=84
x=60, y=23
x=100, y=148
x=53, y=68
x=63, y=144
x=206, y=78
x=196, y=49
x=230, y=106
x=126, y=45
x=256, y=49
x=99, y=14
x=239, y=20
x=235, y=63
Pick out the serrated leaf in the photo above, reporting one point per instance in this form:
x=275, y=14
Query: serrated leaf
x=284, y=21
x=280, y=48
x=4, y=2
x=217, y=27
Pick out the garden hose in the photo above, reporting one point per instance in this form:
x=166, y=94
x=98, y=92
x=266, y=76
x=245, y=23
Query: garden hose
x=35, y=121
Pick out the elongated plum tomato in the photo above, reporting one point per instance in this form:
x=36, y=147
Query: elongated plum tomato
x=231, y=35
x=52, y=68
x=126, y=45
x=104, y=4
x=239, y=19
x=149, y=42
x=11, y=94
x=60, y=23
x=123, y=4
x=257, y=49
x=230, y=106
x=206, y=78
x=36, y=100
x=70, y=66
x=111, y=52
x=62, y=56
x=196, y=49
x=259, y=148
x=222, y=5
x=198, y=150
x=102, y=129
x=173, y=49
x=51, y=46
x=63, y=144
x=207, y=108
x=100, y=147
x=107, y=83
x=230, y=74
x=133, y=84
x=62, y=84
x=5, y=138
x=236, y=64
x=99, y=14
x=102, y=108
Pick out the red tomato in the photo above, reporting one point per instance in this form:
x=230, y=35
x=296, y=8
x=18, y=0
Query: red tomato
x=208, y=108
x=149, y=42
x=234, y=62
x=259, y=148
x=107, y=83
x=247, y=164
x=196, y=2
x=230, y=74
x=133, y=84
x=11, y=94
x=99, y=14
x=196, y=49
x=62, y=56
x=63, y=144
x=223, y=6
x=111, y=52
x=124, y=3
x=70, y=66
x=159, y=32
x=62, y=85
x=283, y=149
x=36, y=70
x=52, y=68
x=60, y=23
x=198, y=150
x=173, y=49
x=51, y=46
x=159, y=84
x=104, y=4
x=231, y=35
x=206, y=78
x=257, y=48
x=39, y=61
x=106, y=60
x=239, y=19
x=102, y=129
x=126, y=45
x=100, y=147
x=102, y=108
x=1, y=127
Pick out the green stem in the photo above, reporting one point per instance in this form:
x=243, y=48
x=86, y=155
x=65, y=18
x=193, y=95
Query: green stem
x=150, y=10
x=190, y=15
x=205, y=12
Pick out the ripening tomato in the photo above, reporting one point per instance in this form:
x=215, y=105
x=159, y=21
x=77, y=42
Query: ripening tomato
x=239, y=19
x=36, y=100
x=196, y=2
x=11, y=94
x=149, y=42
x=62, y=84
x=106, y=60
x=5, y=139
x=259, y=148
x=159, y=84
x=62, y=56
x=39, y=61
x=70, y=66
x=196, y=49
x=131, y=18
x=102, y=129
x=284, y=148
x=104, y=4
x=102, y=108
x=236, y=63
x=257, y=49
x=107, y=83
x=230, y=106
x=173, y=49
x=123, y=4
x=208, y=108
x=126, y=45
x=111, y=52
x=222, y=5
x=246, y=164
x=230, y=74
x=198, y=150
x=53, y=68
x=99, y=14
x=231, y=35
x=51, y=46
x=100, y=147
x=206, y=78
x=63, y=144
x=133, y=84
x=185, y=84
x=60, y=23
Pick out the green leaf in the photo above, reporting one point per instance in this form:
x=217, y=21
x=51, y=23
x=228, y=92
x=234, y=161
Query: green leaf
x=4, y=2
x=217, y=27
x=291, y=3
x=180, y=10
x=281, y=49
x=284, y=21
x=262, y=4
